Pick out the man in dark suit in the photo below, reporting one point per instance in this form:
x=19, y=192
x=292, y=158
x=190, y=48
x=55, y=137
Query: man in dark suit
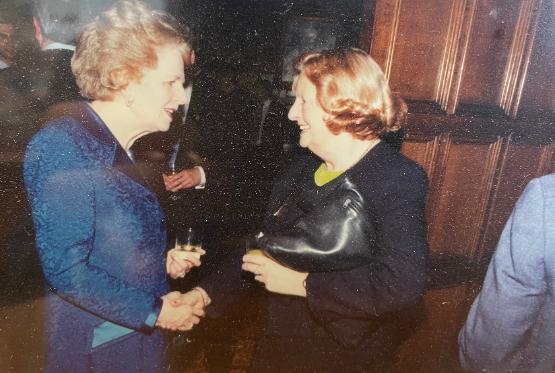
x=7, y=47
x=199, y=194
x=174, y=166
x=56, y=24
x=40, y=78
x=274, y=134
x=273, y=142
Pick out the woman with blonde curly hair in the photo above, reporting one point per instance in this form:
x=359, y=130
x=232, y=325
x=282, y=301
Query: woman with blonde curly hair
x=344, y=241
x=99, y=228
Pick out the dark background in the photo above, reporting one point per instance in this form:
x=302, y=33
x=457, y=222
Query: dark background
x=247, y=34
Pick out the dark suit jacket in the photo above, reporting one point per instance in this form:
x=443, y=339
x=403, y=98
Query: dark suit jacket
x=101, y=240
x=47, y=77
x=153, y=152
x=56, y=76
x=355, y=313
x=187, y=207
x=277, y=131
x=29, y=88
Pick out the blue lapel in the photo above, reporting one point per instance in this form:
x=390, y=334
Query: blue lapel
x=84, y=114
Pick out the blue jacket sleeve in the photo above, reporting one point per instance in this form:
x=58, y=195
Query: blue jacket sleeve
x=501, y=318
x=56, y=177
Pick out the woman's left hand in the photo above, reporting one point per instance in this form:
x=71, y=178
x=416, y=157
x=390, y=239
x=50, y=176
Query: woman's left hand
x=275, y=277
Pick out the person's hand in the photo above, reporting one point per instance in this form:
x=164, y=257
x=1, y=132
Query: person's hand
x=7, y=46
x=182, y=317
x=185, y=179
x=197, y=297
x=180, y=262
x=173, y=297
x=177, y=314
x=275, y=277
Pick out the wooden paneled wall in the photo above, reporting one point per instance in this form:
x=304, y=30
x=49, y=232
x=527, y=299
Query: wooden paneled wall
x=479, y=78
x=476, y=174
x=467, y=52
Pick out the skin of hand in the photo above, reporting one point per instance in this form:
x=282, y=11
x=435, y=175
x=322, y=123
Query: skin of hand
x=180, y=262
x=7, y=47
x=182, y=316
x=185, y=179
x=193, y=298
x=172, y=296
x=275, y=277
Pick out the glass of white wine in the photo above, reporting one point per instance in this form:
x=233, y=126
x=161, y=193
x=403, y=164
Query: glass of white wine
x=252, y=249
x=171, y=170
x=189, y=240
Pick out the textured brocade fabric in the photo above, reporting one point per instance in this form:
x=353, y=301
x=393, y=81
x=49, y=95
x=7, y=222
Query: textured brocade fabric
x=99, y=232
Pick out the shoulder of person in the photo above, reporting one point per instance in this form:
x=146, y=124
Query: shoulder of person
x=546, y=183
x=537, y=203
x=56, y=137
x=61, y=127
x=388, y=166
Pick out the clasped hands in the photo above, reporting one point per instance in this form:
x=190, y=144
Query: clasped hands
x=181, y=311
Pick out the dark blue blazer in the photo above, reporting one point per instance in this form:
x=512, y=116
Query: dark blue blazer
x=101, y=239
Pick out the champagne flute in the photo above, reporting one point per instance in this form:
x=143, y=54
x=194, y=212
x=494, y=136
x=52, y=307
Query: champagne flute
x=171, y=167
x=251, y=249
x=187, y=243
x=190, y=240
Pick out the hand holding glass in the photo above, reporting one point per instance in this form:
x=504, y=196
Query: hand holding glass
x=185, y=254
x=251, y=249
x=189, y=241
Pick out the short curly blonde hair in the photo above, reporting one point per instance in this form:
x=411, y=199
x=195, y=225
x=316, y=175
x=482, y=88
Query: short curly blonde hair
x=117, y=46
x=351, y=88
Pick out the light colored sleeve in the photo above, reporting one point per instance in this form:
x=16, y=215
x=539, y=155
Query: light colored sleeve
x=502, y=317
x=202, y=184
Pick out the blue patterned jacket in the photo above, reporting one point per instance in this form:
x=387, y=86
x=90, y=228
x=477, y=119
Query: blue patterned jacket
x=99, y=231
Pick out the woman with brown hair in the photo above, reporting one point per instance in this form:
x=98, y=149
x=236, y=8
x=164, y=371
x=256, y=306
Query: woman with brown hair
x=345, y=234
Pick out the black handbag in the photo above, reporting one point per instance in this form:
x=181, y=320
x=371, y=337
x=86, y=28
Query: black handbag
x=320, y=230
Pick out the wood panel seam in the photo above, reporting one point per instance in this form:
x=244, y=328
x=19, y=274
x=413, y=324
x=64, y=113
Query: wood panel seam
x=498, y=176
x=393, y=38
x=520, y=53
x=451, y=67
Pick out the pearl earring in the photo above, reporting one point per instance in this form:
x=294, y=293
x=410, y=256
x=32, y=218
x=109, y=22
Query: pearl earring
x=129, y=101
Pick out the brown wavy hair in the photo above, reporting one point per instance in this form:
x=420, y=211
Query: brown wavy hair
x=351, y=88
x=117, y=46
